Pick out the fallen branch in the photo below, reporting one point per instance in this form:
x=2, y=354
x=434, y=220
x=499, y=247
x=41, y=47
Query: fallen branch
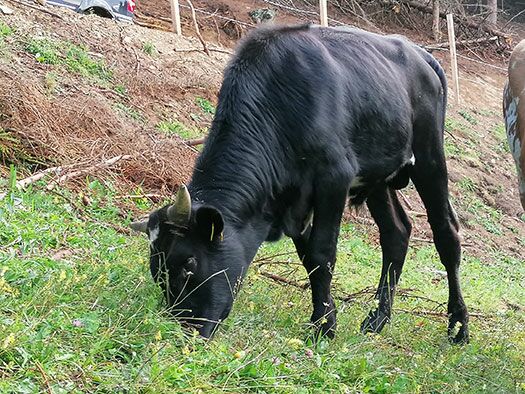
x=284, y=280
x=44, y=376
x=197, y=31
x=200, y=50
x=197, y=141
x=138, y=196
x=304, y=286
x=41, y=9
x=426, y=240
x=84, y=171
x=23, y=183
x=439, y=314
x=462, y=43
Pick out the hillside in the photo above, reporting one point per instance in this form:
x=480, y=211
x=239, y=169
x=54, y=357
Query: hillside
x=78, y=309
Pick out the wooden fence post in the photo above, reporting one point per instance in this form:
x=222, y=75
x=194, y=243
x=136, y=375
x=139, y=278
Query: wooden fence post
x=175, y=16
x=323, y=12
x=453, y=57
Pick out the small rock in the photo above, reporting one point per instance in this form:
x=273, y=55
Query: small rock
x=6, y=10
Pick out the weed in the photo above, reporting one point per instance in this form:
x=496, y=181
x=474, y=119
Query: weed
x=5, y=30
x=51, y=82
x=205, y=105
x=149, y=48
x=467, y=184
x=178, y=128
x=487, y=216
x=130, y=112
x=75, y=58
x=468, y=117
x=121, y=89
x=44, y=50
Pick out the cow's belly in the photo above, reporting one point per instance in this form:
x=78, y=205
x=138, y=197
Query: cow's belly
x=363, y=184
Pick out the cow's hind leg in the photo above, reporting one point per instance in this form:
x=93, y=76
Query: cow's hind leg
x=317, y=249
x=430, y=178
x=394, y=228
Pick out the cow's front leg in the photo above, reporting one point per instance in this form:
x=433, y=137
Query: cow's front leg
x=317, y=247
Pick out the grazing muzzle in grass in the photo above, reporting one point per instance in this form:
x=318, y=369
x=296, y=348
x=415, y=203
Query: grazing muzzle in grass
x=195, y=266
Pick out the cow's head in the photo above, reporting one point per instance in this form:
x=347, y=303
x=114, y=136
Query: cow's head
x=196, y=263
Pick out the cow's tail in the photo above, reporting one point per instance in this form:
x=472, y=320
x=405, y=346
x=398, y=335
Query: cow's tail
x=432, y=62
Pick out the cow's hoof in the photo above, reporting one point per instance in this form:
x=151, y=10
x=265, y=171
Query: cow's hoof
x=458, y=321
x=374, y=322
x=324, y=329
x=326, y=324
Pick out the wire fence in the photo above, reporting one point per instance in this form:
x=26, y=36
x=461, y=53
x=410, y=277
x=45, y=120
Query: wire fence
x=312, y=14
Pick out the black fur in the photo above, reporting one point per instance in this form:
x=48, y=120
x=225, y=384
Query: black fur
x=306, y=117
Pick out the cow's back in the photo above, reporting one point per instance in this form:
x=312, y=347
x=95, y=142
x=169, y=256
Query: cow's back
x=338, y=87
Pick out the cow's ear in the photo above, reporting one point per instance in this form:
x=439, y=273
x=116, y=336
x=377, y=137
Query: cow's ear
x=209, y=223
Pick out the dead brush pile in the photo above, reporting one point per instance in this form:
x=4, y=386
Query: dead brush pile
x=82, y=130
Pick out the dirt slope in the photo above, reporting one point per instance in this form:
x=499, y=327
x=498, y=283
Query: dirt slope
x=62, y=116
x=70, y=113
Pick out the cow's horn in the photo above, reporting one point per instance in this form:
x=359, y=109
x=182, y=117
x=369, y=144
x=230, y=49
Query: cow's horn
x=179, y=213
x=139, y=225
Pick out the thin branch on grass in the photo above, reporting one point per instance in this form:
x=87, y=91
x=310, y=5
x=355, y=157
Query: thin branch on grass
x=139, y=196
x=423, y=312
x=426, y=240
x=44, y=376
x=417, y=214
x=23, y=183
x=284, y=280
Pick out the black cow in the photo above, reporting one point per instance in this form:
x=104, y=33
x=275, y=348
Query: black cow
x=307, y=118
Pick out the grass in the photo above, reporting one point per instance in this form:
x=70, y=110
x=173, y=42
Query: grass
x=5, y=30
x=149, y=48
x=74, y=58
x=79, y=312
x=205, y=105
x=178, y=128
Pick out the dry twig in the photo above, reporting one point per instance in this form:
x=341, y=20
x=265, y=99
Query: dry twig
x=44, y=376
x=84, y=171
x=197, y=31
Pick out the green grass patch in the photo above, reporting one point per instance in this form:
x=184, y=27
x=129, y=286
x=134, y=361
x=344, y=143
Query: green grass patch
x=77, y=302
x=149, y=48
x=5, y=30
x=468, y=117
x=74, y=58
x=501, y=135
x=178, y=128
x=205, y=105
